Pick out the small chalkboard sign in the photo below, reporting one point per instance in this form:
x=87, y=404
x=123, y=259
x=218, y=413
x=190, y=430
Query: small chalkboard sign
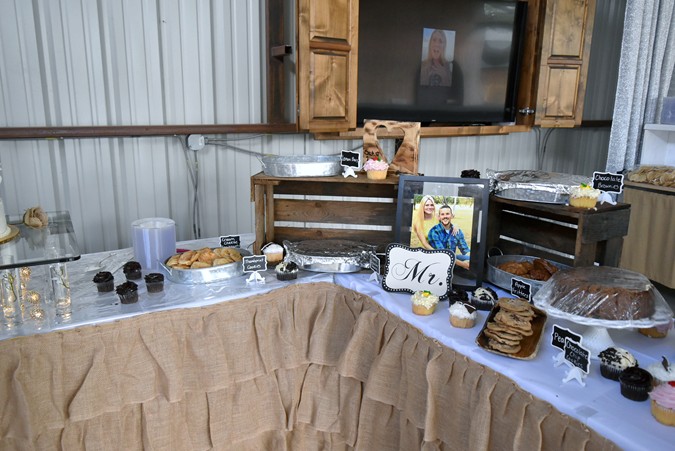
x=559, y=334
x=374, y=263
x=608, y=182
x=521, y=289
x=230, y=241
x=349, y=159
x=577, y=355
x=255, y=263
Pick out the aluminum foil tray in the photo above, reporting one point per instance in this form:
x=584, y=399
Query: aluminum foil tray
x=503, y=279
x=301, y=165
x=334, y=256
x=534, y=186
x=207, y=275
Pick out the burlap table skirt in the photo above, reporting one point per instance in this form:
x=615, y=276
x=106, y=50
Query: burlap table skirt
x=307, y=367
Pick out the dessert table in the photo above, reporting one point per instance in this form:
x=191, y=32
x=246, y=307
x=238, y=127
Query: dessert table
x=323, y=362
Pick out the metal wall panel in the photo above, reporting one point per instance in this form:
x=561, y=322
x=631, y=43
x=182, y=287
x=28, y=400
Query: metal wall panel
x=106, y=62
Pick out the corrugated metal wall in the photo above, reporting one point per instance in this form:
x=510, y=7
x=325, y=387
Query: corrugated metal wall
x=121, y=62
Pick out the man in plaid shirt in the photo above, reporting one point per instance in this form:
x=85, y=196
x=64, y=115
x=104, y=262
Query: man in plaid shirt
x=442, y=236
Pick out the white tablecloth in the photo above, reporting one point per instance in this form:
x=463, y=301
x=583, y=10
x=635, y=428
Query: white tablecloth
x=599, y=404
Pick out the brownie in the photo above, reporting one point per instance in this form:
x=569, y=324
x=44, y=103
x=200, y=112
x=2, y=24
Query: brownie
x=105, y=282
x=128, y=292
x=132, y=270
x=154, y=282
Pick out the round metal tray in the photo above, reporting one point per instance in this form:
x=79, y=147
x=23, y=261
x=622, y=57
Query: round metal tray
x=207, y=275
x=503, y=279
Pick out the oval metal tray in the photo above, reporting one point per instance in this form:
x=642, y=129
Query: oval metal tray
x=301, y=165
x=503, y=279
x=207, y=275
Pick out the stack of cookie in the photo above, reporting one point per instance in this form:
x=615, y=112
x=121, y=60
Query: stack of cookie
x=511, y=323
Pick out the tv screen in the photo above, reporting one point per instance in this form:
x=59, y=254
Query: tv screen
x=439, y=61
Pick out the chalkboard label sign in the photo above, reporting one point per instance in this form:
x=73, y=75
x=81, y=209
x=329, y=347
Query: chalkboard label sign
x=230, y=241
x=521, y=289
x=559, y=334
x=577, y=355
x=608, y=182
x=255, y=263
x=374, y=263
x=350, y=159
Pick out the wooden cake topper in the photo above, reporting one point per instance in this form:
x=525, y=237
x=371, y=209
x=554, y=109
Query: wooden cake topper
x=406, y=159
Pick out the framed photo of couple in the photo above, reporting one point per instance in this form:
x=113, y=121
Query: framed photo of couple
x=446, y=213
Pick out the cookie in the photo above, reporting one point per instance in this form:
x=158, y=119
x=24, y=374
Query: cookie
x=504, y=331
x=501, y=337
x=512, y=320
x=515, y=305
x=506, y=349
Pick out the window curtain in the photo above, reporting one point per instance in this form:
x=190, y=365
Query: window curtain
x=645, y=72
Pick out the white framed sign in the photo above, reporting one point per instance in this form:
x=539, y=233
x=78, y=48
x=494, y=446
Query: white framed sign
x=411, y=270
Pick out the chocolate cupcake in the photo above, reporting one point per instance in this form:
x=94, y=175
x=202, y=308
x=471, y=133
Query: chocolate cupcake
x=132, y=270
x=458, y=295
x=636, y=383
x=128, y=292
x=105, y=282
x=286, y=271
x=484, y=298
x=154, y=282
x=614, y=360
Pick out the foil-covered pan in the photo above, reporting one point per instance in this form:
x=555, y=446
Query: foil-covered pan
x=206, y=275
x=503, y=279
x=334, y=256
x=534, y=186
x=301, y=165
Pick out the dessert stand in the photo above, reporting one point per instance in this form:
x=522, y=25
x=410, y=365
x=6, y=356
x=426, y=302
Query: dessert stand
x=596, y=337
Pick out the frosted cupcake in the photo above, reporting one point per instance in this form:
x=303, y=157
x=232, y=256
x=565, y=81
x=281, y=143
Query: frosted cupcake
x=584, y=196
x=424, y=303
x=663, y=403
x=274, y=253
x=662, y=372
x=614, y=360
x=376, y=169
x=462, y=315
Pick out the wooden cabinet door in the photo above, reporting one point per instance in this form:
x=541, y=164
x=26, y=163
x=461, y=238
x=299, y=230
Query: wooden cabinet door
x=566, y=46
x=327, y=64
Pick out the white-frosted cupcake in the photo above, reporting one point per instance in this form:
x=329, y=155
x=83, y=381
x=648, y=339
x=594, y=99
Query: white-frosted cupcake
x=463, y=315
x=662, y=372
x=274, y=253
x=614, y=360
x=424, y=303
x=584, y=196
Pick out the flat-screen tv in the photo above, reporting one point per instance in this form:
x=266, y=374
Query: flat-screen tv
x=453, y=62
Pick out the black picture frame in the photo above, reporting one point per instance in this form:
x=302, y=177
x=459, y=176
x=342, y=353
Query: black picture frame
x=469, y=199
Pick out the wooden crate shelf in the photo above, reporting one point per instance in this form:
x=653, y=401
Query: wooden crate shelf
x=587, y=236
x=366, y=203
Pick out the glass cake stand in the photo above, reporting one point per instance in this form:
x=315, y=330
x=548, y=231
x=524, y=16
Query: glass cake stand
x=596, y=338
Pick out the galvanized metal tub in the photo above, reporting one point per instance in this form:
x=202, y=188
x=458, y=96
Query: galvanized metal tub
x=502, y=278
x=301, y=165
x=207, y=275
